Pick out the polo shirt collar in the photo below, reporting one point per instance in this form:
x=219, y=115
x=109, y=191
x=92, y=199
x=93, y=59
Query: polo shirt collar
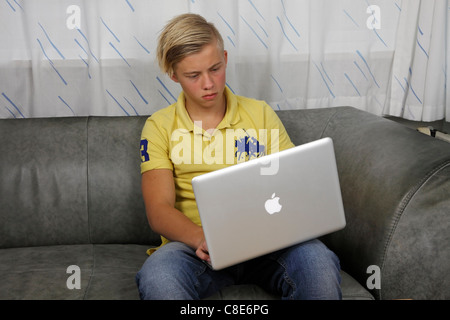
x=231, y=115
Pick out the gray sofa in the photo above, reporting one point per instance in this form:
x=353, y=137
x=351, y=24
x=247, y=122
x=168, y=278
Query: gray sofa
x=70, y=196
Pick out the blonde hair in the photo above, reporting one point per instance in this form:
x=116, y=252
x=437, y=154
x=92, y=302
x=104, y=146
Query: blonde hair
x=182, y=36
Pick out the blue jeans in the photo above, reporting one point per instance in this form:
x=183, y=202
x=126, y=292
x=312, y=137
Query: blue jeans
x=305, y=271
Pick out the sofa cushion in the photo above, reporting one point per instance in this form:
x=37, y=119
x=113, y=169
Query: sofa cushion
x=115, y=268
x=351, y=290
x=106, y=271
x=40, y=272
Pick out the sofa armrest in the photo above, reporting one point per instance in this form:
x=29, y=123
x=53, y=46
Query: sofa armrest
x=395, y=185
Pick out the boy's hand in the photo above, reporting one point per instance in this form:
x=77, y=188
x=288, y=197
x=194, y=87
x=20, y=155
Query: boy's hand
x=202, y=251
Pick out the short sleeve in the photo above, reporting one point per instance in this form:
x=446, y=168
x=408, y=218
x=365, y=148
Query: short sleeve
x=154, y=147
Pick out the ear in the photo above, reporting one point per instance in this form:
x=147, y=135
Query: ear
x=174, y=77
x=225, y=56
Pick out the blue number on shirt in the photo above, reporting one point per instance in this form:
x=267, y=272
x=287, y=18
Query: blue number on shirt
x=144, y=153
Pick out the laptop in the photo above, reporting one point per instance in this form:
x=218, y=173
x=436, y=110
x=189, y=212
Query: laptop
x=266, y=204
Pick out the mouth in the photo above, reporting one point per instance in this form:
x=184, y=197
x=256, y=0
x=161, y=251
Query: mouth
x=209, y=96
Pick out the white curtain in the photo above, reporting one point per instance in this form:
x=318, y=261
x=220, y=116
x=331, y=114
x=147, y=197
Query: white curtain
x=97, y=57
x=420, y=66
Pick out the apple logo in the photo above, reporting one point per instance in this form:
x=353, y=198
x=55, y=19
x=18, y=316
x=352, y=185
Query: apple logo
x=272, y=205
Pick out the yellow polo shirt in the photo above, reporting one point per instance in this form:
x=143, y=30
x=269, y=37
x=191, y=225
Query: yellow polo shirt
x=171, y=140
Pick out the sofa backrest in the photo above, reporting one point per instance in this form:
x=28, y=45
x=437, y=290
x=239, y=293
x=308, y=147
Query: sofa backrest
x=116, y=207
x=396, y=190
x=71, y=180
x=43, y=198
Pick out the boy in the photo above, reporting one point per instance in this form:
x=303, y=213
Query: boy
x=187, y=139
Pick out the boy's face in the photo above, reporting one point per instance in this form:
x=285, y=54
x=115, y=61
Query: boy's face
x=202, y=76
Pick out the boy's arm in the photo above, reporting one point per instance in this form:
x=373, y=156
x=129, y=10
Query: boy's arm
x=158, y=190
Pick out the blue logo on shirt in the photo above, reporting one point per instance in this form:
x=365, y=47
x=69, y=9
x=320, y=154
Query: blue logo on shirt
x=248, y=148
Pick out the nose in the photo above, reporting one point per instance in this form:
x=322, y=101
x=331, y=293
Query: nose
x=208, y=82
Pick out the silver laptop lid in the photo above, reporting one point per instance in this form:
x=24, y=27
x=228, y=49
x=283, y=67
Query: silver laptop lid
x=266, y=204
